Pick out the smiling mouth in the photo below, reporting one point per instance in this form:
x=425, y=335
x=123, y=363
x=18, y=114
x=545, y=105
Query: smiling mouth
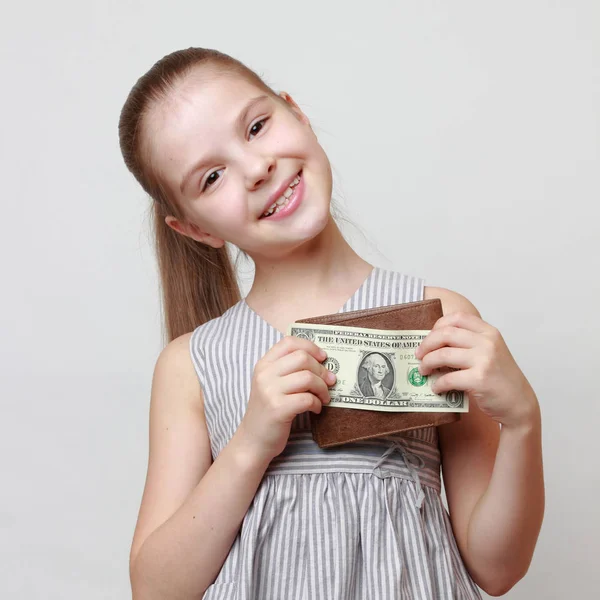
x=283, y=199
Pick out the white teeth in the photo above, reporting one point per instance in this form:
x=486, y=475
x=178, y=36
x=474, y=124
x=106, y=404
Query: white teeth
x=282, y=200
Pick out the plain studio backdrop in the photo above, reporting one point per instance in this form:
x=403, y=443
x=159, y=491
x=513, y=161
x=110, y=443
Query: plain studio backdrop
x=464, y=138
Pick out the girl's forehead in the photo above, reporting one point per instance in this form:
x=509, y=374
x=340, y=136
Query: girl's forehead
x=208, y=96
x=196, y=113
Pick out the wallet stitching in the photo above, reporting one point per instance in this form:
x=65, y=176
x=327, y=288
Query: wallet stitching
x=323, y=444
x=390, y=432
x=369, y=313
x=319, y=438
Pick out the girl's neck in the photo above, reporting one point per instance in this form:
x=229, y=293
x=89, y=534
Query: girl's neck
x=315, y=279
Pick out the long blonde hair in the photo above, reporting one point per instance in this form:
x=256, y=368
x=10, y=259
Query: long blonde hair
x=198, y=282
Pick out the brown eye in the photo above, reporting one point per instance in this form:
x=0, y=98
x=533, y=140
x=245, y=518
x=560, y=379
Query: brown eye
x=211, y=179
x=259, y=124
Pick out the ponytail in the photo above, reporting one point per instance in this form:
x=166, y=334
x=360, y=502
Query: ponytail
x=198, y=282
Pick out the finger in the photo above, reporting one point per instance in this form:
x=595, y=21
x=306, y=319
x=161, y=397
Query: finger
x=300, y=403
x=448, y=336
x=300, y=360
x=305, y=381
x=455, y=380
x=289, y=344
x=462, y=319
x=457, y=358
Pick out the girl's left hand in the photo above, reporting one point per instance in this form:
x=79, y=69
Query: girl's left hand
x=487, y=371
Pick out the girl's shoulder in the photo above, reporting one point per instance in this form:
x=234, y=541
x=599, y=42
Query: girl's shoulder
x=451, y=301
x=218, y=323
x=217, y=331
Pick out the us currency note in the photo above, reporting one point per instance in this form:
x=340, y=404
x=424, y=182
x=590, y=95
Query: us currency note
x=377, y=369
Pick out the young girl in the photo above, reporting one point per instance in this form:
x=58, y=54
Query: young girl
x=239, y=502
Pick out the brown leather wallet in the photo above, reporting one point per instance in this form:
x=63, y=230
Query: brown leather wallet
x=335, y=425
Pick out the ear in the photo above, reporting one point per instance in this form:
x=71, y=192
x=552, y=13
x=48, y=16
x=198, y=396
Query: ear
x=295, y=108
x=194, y=232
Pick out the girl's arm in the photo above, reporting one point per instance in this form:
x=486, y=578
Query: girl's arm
x=191, y=510
x=493, y=476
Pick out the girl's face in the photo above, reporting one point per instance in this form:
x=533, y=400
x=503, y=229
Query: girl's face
x=226, y=152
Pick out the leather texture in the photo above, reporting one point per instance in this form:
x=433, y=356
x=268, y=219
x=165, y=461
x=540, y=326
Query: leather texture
x=335, y=425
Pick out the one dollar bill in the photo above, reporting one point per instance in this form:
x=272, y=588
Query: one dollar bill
x=377, y=369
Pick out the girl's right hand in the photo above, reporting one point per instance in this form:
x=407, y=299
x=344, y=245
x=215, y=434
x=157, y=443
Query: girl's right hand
x=288, y=380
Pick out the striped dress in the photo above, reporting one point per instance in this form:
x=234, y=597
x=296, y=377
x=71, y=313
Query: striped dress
x=364, y=520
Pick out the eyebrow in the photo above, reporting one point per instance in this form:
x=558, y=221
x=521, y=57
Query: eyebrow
x=238, y=123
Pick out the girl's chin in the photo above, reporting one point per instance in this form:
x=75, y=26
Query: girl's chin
x=286, y=239
x=312, y=222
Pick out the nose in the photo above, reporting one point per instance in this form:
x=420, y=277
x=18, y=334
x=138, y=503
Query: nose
x=259, y=171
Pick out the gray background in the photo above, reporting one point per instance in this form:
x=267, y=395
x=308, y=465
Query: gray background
x=464, y=137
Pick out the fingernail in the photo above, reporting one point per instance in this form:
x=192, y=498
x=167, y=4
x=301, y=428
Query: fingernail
x=331, y=377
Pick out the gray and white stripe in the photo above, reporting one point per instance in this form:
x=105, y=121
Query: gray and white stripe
x=339, y=523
